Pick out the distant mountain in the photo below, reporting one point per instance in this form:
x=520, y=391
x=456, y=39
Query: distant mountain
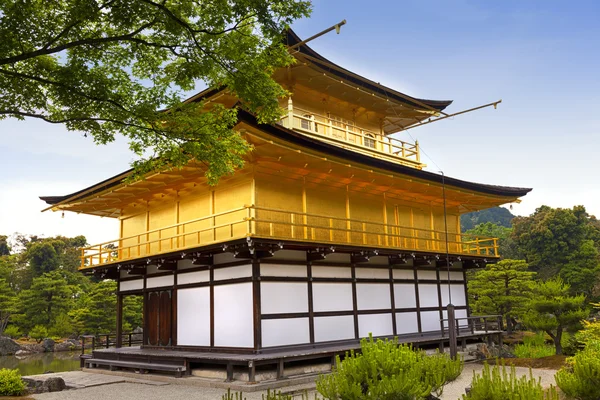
x=497, y=215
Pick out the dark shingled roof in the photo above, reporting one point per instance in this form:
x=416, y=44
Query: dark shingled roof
x=327, y=148
x=348, y=76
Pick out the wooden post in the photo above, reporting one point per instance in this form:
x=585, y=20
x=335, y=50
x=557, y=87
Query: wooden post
x=290, y=113
x=119, y=321
x=452, y=332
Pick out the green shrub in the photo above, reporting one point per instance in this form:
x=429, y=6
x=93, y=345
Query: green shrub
x=277, y=395
x=385, y=370
x=62, y=327
x=498, y=384
x=11, y=383
x=570, y=344
x=537, y=346
x=230, y=396
x=38, y=333
x=580, y=378
x=13, y=332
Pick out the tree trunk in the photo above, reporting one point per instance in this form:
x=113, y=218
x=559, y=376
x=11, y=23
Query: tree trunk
x=557, y=340
x=509, y=325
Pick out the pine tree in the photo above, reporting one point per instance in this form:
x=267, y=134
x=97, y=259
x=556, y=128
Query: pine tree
x=501, y=288
x=552, y=310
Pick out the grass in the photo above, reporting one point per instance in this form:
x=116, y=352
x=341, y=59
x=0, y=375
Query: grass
x=534, y=347
x=538, y=345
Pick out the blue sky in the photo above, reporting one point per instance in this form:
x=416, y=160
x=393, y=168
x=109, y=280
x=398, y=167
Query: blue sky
x=540, y=57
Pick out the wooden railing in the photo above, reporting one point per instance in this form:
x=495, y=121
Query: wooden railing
x=475, y=323
x=272, y=223
x=108, y=340
x=354, y=137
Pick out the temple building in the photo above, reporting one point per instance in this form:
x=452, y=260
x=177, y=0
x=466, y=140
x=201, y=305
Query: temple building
x=331, y=231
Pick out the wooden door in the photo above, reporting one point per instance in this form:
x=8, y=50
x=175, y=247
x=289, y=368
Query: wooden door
x=159, y=318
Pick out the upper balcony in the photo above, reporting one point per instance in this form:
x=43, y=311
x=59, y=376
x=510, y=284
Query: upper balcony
x=346, y=134
x=268, y=223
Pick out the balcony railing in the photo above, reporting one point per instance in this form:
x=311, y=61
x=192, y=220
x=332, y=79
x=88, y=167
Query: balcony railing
x=346, y=134
x=271, y=223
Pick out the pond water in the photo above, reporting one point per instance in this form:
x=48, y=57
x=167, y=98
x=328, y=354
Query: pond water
x=34, y=364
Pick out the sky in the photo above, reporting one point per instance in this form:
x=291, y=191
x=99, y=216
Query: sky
x=541, y=58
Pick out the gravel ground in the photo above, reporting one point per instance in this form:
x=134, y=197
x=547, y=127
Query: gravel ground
x=118, y=391
x=127, y=391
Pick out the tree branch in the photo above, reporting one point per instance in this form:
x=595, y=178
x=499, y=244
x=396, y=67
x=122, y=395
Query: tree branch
x=65, y=46
x=72, y=119
x=62, y=85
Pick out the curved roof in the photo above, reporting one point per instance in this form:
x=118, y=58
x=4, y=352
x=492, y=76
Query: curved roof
x=300, y=139
x=348, y=76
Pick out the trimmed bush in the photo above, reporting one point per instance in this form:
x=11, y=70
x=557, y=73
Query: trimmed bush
x=11, y=383
x=385, y=370
x=580, y=378
x=38, y=333
x=498, y=384
x=12, y=332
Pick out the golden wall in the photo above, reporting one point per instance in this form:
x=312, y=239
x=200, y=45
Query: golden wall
x=325, y=214
x=203, y=216
x=285, y=209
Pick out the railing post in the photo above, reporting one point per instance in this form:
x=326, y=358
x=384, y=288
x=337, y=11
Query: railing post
x=82, y=344
x=290, y=113
x=293, y=227
x=248, y=218
x=364, y=235
x=331, y=229
x=129, y=339
x=452, y=332
x=417, y=151
x=107, y=341
x=496, y=252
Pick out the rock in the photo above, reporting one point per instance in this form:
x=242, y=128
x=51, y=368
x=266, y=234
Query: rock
x=33, y=385
x=67, y=345
x=54, y=384
x=48, y=345
x=51, y=384
x=33, y=347
x=484, y=351
x=8, y=346
x=138, y=334
x=22, y=353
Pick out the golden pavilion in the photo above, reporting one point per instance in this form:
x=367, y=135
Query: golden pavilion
x=331, y=231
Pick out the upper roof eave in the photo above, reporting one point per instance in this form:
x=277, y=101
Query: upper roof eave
x=315, y=144
x=292, y=39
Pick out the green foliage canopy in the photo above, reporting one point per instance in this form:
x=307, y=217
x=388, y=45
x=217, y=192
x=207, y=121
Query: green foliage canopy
x=561, y=241
x=506, y=245
x=108, y=67
x=553, y=310
x=496, y=215
x=502, y=288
